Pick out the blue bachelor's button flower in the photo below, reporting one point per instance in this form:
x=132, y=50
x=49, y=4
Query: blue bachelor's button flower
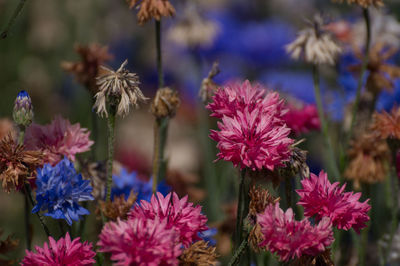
x=208, y=235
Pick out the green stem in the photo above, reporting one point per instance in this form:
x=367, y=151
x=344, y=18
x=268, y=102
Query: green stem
x=160, y=141
x=111, y=140
x=95, y=134
x=362, y=74
x=238, y=253
x=11, y=22
x=324, y=124
x=27, y=190
x=364, y=233
x=159, y=54
x=239, y=221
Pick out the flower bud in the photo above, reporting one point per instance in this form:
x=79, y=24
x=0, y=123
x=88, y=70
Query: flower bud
x=23, y=109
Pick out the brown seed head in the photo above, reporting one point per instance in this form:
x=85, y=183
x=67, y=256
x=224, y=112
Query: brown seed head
x=322, y=259
x=208, y=86
x=198, y=254
x=17, y=164
x=119, y=207
x=96, y=173
x=298, y=162
x=165, y=103
x=152, y=9
x=368, y=156
x=387, y=125
x=87, y=69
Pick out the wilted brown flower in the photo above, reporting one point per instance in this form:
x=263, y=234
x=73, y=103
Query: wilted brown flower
x=381, y=74
x=6, y=246
x=149, y=9
x=118, y=208
x=322, y=259
x=118, y=88
x=298, y=162
x=185, y=184
x=96, y=173
x=368, y=156
x=17, y=164
x=259, y=200
x=6, y=126
x=198, y=254
x=85, y=71
x=208, y=86
x=363, y=3
x=315, y=45
x=387, y=125
x=165, y=103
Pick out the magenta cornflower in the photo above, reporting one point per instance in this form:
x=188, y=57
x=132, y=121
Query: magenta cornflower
x=139, y=241
x=253, y=139
x=61, y=252
x=179, y=214
x=302, y=119
x=58, y=139
x=291, y=239
x=237, y=96
x=321, y=199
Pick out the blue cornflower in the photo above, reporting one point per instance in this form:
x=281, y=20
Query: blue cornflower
x=208, y=235
x=125, y=182
x=59, y=190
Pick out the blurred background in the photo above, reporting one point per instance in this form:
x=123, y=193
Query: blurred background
x=247, y=38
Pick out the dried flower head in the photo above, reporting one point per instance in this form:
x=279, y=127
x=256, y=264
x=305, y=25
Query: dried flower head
x=118, y=208
x=149, y=9
x=315, y=45
x=305, y=239
x=87, y=69
x=322, y=259
x=298, y=162
x=117, y=88
x=368, y=156
x=200, y=254
x=165, y=103
x=363, y=3
x=387, y=125
x=61, y=252
x=7, y=245
x=96, y=173
x=381, y=75
x=17, y=164
x=193, y=30
x=208, y=86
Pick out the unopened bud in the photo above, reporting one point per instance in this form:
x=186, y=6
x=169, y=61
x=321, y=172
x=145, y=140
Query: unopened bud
x=23, y=109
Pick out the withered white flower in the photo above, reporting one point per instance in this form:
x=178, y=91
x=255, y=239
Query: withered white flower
x=119, y=88
x=315, y=45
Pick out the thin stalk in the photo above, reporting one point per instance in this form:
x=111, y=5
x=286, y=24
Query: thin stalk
x=364, y=234
x=239, y=222
x=363, y=70
x=111, y=141
x=95, y=134
x=238, y=253
x=288, y=190
x=324, y=124
x=160, y=141
x=27, y=190
x=11, y=22
x=159, y=55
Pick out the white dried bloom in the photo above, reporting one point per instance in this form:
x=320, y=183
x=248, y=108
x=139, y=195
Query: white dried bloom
x=193, y=30
x=314, y=45
x=119, y=88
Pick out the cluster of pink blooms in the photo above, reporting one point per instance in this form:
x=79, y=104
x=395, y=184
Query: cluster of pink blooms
x=252, y=132
x=327, y=203
x=289, y=238
x=302, y=118
x=57, y=140
x=61, y=252
x=154, y=232
x=321, y=199
x=139, y=241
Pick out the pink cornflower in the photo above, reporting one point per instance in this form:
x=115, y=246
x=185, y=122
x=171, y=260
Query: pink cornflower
x=237, y=96
x=61, y=252
x=291, y=239
x=302, y=118
x=179, y=214
x=321, y=199
x=58, y=139
x=253, y=139
x=140, y=241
